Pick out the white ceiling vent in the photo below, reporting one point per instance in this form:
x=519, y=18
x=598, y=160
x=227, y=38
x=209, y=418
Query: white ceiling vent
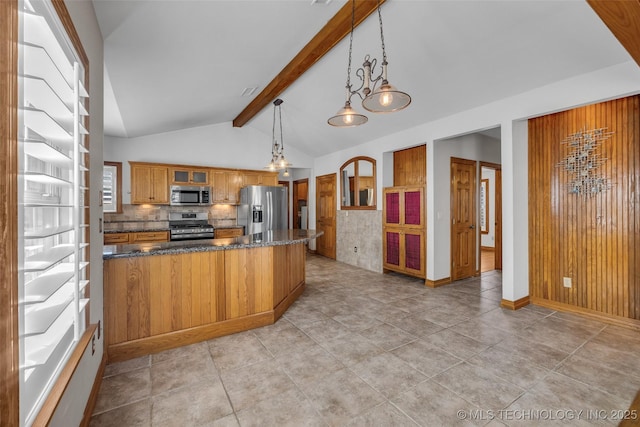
x=320, y=1
x=248, y=91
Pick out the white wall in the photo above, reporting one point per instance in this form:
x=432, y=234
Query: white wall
x=71, y=407
x=471, y=147
x=511, y=114
x=219, y=145
x=489, y=240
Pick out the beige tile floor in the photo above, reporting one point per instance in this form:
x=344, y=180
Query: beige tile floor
x=366, y=349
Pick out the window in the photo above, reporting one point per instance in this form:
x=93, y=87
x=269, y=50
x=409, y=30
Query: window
x=112, y=187
x=358, y=184
x=52, y=214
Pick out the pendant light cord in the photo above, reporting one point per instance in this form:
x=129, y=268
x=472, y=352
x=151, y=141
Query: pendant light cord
x=384, y=52
x=353, y=20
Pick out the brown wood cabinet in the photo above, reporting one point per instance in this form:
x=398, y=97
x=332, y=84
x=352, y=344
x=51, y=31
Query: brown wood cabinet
x=149, y=184
x=136, y=237
x=153, y=303
x=403, y=230
x=259, y=178
x=189, y=176
x=226, y=186
x=225, y=233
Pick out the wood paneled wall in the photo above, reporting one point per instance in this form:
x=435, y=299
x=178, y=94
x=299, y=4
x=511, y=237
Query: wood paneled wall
x=410, y=166
x=593, y=240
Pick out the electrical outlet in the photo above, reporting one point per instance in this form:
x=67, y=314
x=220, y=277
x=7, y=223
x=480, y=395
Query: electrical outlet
x=566, y=282
x=355, y=249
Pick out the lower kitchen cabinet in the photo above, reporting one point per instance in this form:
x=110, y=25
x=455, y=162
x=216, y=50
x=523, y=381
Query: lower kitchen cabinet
x=136, y=237
x=225, y=233
x=404, y=251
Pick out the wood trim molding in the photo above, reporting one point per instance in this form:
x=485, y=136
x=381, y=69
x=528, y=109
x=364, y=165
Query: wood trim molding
x=623, y=19
x=596, y=315
x=488, y=248
x=335, y=30
x=279, y=310
x=53, y=399
x=437, y=283
x=9, y=358
x=515, y=305
x=93, y=396
x=154, y=344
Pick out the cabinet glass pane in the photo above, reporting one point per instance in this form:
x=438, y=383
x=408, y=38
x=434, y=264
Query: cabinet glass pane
x=413, y=249
x=199, y=177
x=412, y=208
x=393, y=208
x=393, y=248
x=181, y=176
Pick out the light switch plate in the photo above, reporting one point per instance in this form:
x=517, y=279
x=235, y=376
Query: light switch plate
x=566, y=282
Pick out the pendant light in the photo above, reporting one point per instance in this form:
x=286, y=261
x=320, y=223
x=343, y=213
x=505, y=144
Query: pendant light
x=384, y=98
x=278, y=161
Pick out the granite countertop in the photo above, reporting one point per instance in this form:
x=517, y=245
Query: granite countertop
x=269, y=238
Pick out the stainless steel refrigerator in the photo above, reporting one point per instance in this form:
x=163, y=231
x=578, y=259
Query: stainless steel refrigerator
x=262, y=208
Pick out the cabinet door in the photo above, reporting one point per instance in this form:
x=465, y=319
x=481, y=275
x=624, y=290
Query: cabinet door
x=149, y=236
x=413, y=207
x=160, y=185
x=116, y=238
x=199, y=176
x=269, y=179
x=413, y=253
x=251, y=178
x=219, y=181
x=391, y=207
x=391, y=249
x=179, y=176
x=140, y=184
x=234, y=183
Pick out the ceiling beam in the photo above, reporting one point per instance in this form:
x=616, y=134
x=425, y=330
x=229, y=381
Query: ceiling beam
x=623, y=19
x=335, y=30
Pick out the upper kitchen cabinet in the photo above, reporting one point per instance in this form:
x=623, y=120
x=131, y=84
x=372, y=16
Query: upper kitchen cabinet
x=259, y=178
x=149, y=184
x=226, y=186
x=189, y=176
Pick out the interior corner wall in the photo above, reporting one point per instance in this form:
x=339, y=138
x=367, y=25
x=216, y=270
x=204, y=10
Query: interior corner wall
x=594, y=239
x=471, y=147
x=71, y=407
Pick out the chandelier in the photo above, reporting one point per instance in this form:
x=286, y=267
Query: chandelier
x=278, y=161
x=377, y=95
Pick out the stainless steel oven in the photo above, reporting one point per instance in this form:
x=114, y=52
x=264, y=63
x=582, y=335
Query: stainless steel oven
x=190, y=195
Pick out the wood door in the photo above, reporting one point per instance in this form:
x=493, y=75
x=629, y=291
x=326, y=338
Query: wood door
x=463, y=218
x=326, y=215
x=498, y=229
x=160, y=185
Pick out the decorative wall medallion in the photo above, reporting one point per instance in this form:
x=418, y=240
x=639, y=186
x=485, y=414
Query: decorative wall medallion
x=583, y=161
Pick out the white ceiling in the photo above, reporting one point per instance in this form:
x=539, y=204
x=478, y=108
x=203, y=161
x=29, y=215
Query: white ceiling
x=177, y=64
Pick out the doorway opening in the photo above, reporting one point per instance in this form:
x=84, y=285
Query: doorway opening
x=490, y=217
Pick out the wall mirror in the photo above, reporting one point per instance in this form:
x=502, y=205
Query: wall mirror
x=358, y=184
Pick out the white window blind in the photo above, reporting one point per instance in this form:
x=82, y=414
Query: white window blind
x=109, y=189
x=53, y=234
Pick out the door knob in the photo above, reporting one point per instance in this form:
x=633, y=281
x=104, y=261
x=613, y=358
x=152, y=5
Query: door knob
x=472, y=226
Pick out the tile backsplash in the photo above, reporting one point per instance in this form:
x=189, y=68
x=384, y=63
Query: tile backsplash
x=134, y=217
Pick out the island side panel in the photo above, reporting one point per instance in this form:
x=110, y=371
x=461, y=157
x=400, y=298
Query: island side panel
x=249, y=281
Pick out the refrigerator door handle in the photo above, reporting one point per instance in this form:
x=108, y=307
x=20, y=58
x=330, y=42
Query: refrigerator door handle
x=270, y=202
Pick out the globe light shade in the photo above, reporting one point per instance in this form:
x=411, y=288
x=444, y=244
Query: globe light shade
x=347, y=117
x=386, y=99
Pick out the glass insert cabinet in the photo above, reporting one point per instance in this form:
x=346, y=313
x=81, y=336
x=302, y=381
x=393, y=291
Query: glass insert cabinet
x=403, y=230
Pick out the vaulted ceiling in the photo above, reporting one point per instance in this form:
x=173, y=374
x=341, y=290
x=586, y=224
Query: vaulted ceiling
x=176, y=64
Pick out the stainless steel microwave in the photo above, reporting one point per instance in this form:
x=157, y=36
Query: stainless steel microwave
x=190, y=195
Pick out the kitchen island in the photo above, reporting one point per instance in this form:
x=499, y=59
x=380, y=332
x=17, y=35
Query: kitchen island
x=163, y=295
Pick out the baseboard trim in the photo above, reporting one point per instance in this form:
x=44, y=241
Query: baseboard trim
x=93, y=396
x=437, y=283
x=157, y=343
x=596, y=315
x=286, y=303
x=517, y=304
